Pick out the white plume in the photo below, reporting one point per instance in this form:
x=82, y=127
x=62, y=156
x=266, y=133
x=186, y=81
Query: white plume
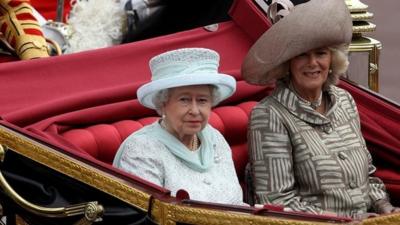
x=95, y=24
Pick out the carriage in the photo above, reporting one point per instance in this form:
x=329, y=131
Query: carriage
x=63, y=118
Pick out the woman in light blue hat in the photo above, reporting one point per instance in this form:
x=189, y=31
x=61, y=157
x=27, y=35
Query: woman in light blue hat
x=181, y=150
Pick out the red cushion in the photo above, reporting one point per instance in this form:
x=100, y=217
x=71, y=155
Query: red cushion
x=102, y=140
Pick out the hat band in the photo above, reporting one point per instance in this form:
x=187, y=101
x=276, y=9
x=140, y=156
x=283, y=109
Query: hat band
x=177, y=70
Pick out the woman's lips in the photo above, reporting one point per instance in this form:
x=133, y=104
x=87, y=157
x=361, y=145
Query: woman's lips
x=312, y=74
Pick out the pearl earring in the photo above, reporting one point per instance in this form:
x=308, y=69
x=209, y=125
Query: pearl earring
x=330, y=71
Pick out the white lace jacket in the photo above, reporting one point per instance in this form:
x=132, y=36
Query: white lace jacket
x=148, y=158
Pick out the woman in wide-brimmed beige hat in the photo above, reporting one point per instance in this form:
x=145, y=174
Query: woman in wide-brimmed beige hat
x=305, y=144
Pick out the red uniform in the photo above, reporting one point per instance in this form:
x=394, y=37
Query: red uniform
x=21, y=30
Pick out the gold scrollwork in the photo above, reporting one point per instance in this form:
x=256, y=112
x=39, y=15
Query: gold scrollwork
x=367, y=27
x=184, y=214
x=73, y=168
x=373, y=68
x=362, y=16
x=93, y=211
x=72, y=210
x=383, y=220
x=171, y=213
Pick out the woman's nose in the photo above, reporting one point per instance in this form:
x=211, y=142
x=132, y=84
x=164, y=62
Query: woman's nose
x=194, y=107
x=312, y=59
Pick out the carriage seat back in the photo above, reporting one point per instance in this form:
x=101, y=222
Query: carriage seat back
x=102, y=140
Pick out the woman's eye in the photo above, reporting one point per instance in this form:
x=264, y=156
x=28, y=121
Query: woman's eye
x=184, y=99
x=203, y=100
x=322, y=52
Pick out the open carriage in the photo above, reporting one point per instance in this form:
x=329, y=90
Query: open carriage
x=63, y=118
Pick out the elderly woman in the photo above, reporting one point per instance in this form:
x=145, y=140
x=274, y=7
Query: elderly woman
x=181, y=150
x=306, y=149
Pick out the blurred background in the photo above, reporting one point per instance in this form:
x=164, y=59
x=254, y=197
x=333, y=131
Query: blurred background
x=386, y=18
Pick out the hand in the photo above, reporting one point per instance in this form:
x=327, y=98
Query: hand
x=383, y=206
x=395, y=210
x=364, y=216
x=329, y=213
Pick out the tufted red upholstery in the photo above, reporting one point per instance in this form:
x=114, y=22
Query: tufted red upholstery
x=102, y=140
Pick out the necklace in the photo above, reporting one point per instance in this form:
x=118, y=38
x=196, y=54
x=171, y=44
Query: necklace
x=313, y=104
x=194, y=143
x=317, y=103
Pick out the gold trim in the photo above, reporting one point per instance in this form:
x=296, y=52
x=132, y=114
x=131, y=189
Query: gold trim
x=383, y=220
x=363, y=44
x=368, y=27
x=362, y=16
x=356, y=6
x=174, y=213
x=91, y=210
x=2, y=153
x=73, y=168
x=373, y=48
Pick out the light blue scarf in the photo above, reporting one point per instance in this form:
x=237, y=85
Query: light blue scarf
x=177, y=148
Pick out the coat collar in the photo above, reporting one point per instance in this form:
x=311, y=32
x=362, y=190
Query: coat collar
x=288, y=99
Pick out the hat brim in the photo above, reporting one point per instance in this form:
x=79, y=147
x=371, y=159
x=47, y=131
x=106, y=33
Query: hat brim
x=226, y=86
x=311, y=25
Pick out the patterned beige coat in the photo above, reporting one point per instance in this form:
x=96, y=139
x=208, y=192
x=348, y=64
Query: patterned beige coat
x=310, y=162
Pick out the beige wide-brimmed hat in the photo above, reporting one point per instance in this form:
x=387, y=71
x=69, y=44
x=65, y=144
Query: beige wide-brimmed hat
x=311, y=25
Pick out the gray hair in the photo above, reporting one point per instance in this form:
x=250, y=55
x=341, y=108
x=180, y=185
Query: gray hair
x=339, y=65
x=162, y=97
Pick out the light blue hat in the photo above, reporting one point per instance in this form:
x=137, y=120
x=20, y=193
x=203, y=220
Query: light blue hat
x=185, y=67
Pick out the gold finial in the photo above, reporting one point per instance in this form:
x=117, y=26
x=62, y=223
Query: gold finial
x=356, y=6
x=361, y=43
x=360, y=17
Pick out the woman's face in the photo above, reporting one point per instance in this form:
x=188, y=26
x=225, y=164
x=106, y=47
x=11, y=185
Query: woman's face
x=187, y=109
x=310, y=69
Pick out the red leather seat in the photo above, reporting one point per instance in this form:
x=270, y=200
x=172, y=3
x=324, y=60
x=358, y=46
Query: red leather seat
x=102, y=140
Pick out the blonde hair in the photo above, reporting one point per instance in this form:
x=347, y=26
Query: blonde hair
x=339, y=63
